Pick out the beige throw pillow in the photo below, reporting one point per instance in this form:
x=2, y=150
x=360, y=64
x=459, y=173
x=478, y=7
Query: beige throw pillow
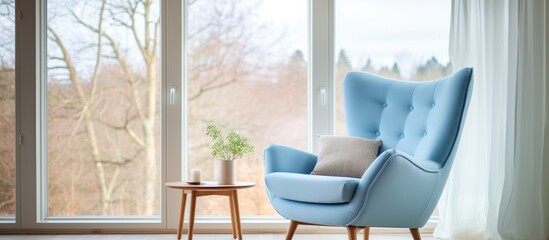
x=345, y=156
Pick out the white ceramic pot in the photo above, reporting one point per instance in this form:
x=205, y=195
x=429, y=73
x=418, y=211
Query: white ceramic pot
x=225, y=172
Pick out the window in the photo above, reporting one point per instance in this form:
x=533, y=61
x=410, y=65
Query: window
x=7, y=114
x=247, y=72
x=103, y=124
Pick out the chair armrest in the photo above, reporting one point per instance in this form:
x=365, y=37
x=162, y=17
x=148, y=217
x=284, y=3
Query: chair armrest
x=398, y=190
x=391, y=155
x=421, y=164
x=280, y=158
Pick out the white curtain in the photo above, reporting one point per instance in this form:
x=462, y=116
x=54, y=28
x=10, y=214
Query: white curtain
x=496, y=188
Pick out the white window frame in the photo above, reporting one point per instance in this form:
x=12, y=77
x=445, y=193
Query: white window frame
x=29, y=104
x=31, y=202
x=8, y=222
x=321, y=69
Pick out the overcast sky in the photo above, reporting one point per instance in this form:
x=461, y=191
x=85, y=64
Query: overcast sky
x=386, y=31
x=408, y=32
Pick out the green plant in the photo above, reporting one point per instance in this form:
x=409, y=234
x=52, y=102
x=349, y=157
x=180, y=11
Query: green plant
x=230, y=148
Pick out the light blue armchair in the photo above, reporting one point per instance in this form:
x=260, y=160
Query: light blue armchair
x=419, y=124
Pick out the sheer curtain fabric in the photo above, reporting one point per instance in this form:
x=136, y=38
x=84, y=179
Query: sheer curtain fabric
x=497, y=188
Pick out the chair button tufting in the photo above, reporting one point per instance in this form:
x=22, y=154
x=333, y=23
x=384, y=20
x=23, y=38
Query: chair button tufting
x=424, y=134
x=433, y=105
x=384, y=105
x=377, y=133
x=401, y=135
x=411, y=108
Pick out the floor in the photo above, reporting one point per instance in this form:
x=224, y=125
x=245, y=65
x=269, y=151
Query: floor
x=202, y=237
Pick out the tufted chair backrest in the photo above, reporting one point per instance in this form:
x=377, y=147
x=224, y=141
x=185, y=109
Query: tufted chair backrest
x=421, y=119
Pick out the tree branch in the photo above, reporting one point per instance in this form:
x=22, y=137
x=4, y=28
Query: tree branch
x=129, y=75
x=7, y=202
x=210, y=88
x=99, y=47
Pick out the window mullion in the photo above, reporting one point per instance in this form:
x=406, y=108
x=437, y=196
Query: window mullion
x=321, y=72
x=174, y=53
x=27, y=121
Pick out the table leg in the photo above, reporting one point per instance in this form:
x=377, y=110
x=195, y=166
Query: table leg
x=191, y=217
x=233, y=220
x=237, y=214
x=182, y=213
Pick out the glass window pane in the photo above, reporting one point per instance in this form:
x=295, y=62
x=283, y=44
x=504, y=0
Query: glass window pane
x=398, y=39
x=247, y=72
x=103, y=108
x=7, y=106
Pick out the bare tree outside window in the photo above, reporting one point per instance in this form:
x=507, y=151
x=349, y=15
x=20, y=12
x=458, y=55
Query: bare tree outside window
x=247, y=74
x=103, y=107
x=7, y=108
x=104, y=94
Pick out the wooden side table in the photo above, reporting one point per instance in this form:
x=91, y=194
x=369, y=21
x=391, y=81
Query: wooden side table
x=205, y=189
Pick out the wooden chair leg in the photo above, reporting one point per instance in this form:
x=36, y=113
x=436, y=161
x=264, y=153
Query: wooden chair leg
x=415, y=233
x=291, y=230
x=351, y=232
x=366, y=233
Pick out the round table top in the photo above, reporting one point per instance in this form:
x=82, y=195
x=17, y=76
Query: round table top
x=209, y=186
